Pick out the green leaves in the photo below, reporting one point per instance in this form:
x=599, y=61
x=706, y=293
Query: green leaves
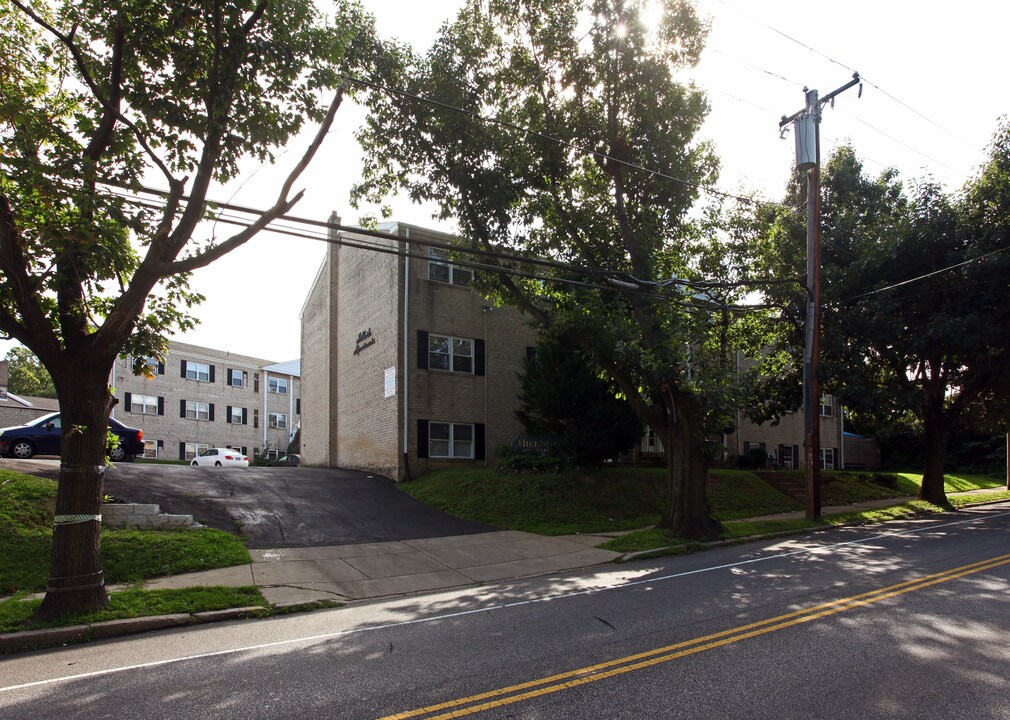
x=27, y=376
x=95, y=97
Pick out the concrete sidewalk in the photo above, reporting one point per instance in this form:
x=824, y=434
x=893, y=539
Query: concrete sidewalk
x=301, y=576
x=291, y=576
x=288, y=576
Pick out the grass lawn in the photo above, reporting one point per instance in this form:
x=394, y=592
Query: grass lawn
x=956, y=482
x=619, y=498
x=128, y=556
x=15, y=613
x=842, y=487
x=658, y=540
x=546, y=504
x=612, y=498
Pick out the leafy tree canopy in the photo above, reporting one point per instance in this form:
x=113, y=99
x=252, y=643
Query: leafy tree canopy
x=917, y=312
x=26, y=375
x=564, y=394
x=99, y=98
x=602, y=181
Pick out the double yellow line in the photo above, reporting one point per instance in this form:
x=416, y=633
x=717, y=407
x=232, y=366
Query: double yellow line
x=472, y=704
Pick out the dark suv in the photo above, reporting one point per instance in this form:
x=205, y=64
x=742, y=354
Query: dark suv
x=43, y=436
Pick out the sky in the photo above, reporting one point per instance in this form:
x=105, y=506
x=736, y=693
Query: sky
x=931, y=99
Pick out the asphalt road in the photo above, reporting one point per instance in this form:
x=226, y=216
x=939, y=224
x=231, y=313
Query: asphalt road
x=279, y=506
x=907, y=620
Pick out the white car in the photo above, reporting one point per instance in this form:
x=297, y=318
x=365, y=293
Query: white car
x=220, y=457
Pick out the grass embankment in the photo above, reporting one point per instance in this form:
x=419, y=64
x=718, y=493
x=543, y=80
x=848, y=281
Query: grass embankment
x=128, y=556
x=625, y=498
x=840, y=488
x=613, y=498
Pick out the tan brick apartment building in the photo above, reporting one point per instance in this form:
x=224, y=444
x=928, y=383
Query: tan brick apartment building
x=200, y=398
x=404, y=367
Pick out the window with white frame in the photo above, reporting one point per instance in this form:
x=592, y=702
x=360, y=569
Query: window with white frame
x=194, y=449
x=145, y=404
x=450, y=440
x=197, y=410
x=450, y=353
x=827, y=408
x=150, y=362
x=237, y=416
x=279, y=385
x=151, y=449
x=278, y=420
x=197, y=371
x=827, y=458
x=236, y=378
x=440, y=269
x=273, y=454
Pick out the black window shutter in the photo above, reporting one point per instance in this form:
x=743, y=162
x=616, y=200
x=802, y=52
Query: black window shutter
x=245, y=417
x=211, y=412
x=227, y=415
x=229, y=376
x=212, y=373
x=478, y=442
x=161, y=443
x=161, y=368
x=182, y=447
x=422, y=349
x=184, y=368
x=127, y=398
x=161, y=405
x=298, y=406
x=182, y=407
x=422, y=438
x=478, y=357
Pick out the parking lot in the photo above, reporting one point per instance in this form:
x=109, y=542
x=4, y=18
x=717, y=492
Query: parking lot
x=277, y=506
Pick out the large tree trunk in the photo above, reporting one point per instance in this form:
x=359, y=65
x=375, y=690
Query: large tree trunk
x=686, y=514
x=937, y=436
x=76, y=582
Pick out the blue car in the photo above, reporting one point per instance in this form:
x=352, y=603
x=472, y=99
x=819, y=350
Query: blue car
x=43, y=436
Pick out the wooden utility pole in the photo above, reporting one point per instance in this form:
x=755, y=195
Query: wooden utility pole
x=806, y=127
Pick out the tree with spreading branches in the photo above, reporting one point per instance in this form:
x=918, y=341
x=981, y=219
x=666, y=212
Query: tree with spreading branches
x=559, y=129
x=917, y=313
x=97, y=98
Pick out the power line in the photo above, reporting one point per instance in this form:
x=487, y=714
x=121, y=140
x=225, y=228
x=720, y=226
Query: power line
x=852, y=115
x=850, y=69
x=638, y=288
x=922, y=277
x=609, y=275
x=904, y=144
x=756, y=67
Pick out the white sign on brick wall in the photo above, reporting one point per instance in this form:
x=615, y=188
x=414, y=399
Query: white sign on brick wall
x=390, y=382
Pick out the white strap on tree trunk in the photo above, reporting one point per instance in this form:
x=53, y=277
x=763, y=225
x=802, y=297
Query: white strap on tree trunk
x=74, y=519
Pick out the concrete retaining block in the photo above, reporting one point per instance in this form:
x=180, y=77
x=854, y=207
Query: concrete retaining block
x=143, y=515
x=118, y=509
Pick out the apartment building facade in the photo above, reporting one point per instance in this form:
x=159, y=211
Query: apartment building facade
x=782, y=443
x=404, y=366
x=199, y=398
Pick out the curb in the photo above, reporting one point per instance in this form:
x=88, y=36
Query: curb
x=701, y=545
x=49, y=637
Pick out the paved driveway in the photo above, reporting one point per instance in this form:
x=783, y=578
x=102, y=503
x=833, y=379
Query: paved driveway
x=282, y=507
